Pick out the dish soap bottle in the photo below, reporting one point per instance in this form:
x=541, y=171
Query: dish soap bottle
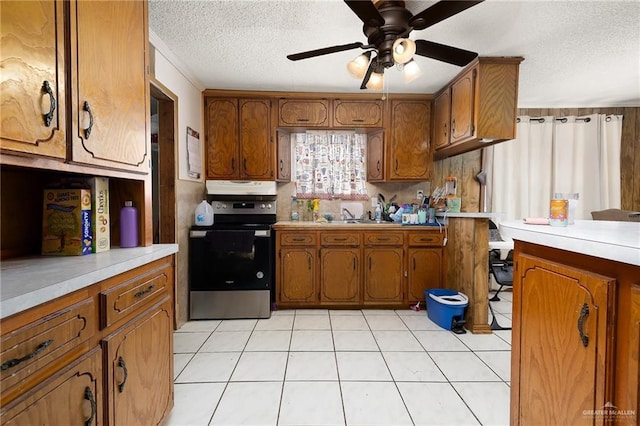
x=204, y=214
x=128, y=225
x=378, y=213
x=295, y=214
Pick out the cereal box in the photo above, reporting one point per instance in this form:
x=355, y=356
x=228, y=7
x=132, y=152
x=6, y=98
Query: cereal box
x=66, y=222
x=100, y=214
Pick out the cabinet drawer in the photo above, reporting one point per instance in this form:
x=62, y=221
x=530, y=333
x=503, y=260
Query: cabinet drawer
x=122, y=300
x=339, y=239
x=426, y=239
x=383, y=238
x=298, y=239
x=34, y=351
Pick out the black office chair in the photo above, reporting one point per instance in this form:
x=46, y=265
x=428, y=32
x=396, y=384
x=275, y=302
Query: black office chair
x=502, y=271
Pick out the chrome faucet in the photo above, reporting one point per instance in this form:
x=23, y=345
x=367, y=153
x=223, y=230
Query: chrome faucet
x=346, y=212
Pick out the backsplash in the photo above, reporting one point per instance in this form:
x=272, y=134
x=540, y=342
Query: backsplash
x=405, y=193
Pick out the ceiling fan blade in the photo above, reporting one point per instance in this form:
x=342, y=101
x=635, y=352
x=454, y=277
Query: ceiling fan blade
x=439, y=12
x=444, y=53
x=367, y=75
x=366, y=11
x=323, y=51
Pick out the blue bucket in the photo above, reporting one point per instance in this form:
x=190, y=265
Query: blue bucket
x=443, y=305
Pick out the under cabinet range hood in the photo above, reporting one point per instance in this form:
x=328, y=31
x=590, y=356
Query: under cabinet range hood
x=238, y=187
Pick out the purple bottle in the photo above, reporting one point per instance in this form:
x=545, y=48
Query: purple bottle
x=128, y=225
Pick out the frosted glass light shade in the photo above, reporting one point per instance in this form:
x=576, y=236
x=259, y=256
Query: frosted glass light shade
x=411, y=71
x=358, y=67
x=375, y=81
x=403, y=50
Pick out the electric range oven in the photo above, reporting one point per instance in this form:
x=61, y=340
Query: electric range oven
x=231, y=263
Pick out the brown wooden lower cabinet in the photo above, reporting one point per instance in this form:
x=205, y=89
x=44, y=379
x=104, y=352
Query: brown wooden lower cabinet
x=357, y=268
x=71, y=370
x=576, y=328
x=139, y=373
x=71, y=397
x=340, y=281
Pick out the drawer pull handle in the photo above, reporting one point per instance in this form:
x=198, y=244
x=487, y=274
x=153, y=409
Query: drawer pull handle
x=87, y=131
x=298, y=240
x=52, y=106
x=122, y=365
x=358, y=120
x=341, y=239
x=584, y=314
x=426, y=240
x=13, y=362
x=383, y=239
x=145, y=291
x=302, y=119
x=88, y=395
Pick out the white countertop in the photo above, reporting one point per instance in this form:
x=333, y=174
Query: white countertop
x=28, y=282
x=476, y=215
x=617, y=241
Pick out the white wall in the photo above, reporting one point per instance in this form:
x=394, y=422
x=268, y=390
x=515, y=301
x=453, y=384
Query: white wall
x=175, y=77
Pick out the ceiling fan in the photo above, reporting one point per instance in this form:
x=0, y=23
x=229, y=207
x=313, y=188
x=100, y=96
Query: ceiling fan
x=387, y=25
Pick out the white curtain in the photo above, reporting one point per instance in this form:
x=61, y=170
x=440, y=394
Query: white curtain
x=563, y=154
x=330, y=164
x=519, y=171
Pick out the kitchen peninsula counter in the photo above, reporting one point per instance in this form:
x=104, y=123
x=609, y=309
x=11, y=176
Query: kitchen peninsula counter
x=576, y=291
x=616, y=241
x=28, y=282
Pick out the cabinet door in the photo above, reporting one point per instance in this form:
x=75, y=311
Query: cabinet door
x=357, y=113
x=303, y=113
x=284, y=156
x=424, y=268
x=110, y=88
x=139, y=362
x=222, y=139
x=32, y=81
x=375, y=156
x=72, y=397
x=410, y=153
x=340, y=275
x=256, y=147
x=442, y=118
x=564, y=342
x=383, y=275
x=297, y=275
x=462, y=103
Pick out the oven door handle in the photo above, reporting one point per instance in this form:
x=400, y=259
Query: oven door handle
x=258, y=233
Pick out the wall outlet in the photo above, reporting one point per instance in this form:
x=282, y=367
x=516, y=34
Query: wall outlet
x=420, y=194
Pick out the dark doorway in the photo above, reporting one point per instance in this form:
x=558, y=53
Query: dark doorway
x=163, y=158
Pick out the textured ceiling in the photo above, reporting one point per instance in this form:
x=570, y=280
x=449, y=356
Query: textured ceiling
x=577, y=53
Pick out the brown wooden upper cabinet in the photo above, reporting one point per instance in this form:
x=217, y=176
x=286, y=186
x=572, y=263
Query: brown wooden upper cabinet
x=239, y=140
x=375, y=156
x=357, y=113
x=109, y=87
x=477, y=108
x=409, y=153
x=303, y=112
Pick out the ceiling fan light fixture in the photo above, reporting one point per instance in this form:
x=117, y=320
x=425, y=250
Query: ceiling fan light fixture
x=359, y=65
x=411, y=71
x=375, y=81
x=403, y=50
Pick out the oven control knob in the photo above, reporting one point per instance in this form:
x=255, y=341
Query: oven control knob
x=260, y=275
x=224, y=206
x=262, y=206
x=269, y=206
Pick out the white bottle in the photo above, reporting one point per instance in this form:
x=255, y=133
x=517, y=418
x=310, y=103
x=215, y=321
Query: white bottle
x=378, y=213
x=204, y=214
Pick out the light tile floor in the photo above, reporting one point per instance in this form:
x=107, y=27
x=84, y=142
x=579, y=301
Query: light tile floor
x=341, y=367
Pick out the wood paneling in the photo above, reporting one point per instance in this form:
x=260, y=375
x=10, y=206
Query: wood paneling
x=466, y=166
